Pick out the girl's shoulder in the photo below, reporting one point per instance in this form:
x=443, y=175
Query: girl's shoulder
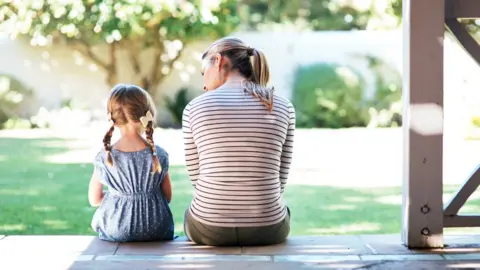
x=163, y=158
x=101, y=155
x=161, y=152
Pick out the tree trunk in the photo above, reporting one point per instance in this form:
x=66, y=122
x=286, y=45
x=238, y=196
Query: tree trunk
x=149, y=80
x=155, y=76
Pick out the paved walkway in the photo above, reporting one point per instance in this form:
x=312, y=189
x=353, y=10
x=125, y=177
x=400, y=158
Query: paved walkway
x=304, y=252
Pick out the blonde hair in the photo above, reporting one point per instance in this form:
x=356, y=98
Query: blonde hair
x=250, y=62
x=128, y=103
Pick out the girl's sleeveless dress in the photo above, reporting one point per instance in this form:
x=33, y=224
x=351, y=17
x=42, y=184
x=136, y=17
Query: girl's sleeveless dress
x=134, y=208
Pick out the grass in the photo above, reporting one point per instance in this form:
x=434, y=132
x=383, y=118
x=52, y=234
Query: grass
x=38, y=196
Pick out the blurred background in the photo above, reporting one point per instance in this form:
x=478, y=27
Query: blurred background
x=339, y=61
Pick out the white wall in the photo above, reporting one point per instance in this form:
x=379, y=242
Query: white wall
x=58, y=72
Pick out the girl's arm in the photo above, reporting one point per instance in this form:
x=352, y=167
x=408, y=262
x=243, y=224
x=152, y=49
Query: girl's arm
x=167, y=187
x=95, y=190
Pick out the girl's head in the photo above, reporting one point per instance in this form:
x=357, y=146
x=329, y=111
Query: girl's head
x=130, y=107
x=231, y=54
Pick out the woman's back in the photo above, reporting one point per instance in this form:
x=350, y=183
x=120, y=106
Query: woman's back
x=241, y=148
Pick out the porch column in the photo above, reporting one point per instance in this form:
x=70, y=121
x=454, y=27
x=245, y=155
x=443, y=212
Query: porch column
x=422, y=206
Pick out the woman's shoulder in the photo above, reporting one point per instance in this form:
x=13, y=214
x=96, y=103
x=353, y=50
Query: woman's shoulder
x=199, y=98
x=279, y=99
x=282, y=99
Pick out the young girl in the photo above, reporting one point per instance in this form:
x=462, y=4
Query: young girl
x=135, y=207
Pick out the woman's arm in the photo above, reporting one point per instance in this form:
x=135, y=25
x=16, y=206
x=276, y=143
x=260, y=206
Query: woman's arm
x=167, y=187
x=191, y=152
x=95, y=190
x=287, y=151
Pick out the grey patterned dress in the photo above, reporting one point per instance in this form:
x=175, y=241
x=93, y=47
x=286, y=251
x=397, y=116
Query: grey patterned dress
x=134, y=208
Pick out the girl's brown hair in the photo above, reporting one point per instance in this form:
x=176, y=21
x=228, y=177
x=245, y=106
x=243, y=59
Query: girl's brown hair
x=250, y=62
x=126, y=104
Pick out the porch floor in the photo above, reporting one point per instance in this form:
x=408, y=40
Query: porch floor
x=300, y=252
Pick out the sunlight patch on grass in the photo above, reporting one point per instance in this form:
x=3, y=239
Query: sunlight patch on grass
x=71, y=157
x=67, y=144
x=56, y=224
x=20, y=192
x=364, y=227
x=341, y=207
x=461, y=231
x=43, y=208
x=470, y=209
x=355, y=199
x=392, y=199
x=12, y=227
x=447, y=197
x=178, y=227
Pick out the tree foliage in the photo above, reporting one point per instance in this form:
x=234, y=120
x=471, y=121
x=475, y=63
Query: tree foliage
x=164, y=26
x=303, y=14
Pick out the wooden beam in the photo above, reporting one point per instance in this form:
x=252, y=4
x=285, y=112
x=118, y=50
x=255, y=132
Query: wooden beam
x=422, y=205
x=464, y=38
x=461, y=221
x=462, y=195
x=462, y=9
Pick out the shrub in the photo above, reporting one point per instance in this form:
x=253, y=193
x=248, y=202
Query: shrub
x=386, y=105
x=176, y=105
x=332, y=96
x=12, y=94
x=329, y=96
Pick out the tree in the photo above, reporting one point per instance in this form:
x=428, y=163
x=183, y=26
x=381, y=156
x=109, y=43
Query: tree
x=304, y=14
x=472, y=25
x=161, y=26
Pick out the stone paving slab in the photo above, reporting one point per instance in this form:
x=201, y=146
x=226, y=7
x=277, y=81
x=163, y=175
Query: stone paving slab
x=213, y=265
x=313, y=245
x=303, y=252
x=248, y=265
x=178, y=246
x=86, y=245
x=316, y=258
x=427, y=265
x=456, y=257
x=384, y=244
x=402, y=257
x=392, y=244
x=41, y=261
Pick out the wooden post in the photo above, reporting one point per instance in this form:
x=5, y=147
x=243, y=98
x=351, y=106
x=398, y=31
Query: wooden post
x=422, y=206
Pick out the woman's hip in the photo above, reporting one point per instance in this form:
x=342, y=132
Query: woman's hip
x=206, y=234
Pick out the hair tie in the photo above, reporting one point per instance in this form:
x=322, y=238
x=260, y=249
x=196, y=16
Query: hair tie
x=250, y=51
x=146, y=119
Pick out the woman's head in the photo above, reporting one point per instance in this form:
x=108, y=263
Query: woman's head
x=130, y=107
x=228, y=55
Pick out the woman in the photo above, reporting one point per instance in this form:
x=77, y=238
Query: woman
x=238, y=145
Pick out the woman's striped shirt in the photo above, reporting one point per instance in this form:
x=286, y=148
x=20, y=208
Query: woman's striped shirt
x=238, y=156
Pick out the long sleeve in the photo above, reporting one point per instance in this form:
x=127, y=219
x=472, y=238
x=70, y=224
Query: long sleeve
x=287, y=150
x=191, y=152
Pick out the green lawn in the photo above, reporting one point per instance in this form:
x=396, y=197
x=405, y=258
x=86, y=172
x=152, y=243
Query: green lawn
x=41, y=197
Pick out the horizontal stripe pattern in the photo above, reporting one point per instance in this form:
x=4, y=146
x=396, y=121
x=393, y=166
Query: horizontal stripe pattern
x=238, y=157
